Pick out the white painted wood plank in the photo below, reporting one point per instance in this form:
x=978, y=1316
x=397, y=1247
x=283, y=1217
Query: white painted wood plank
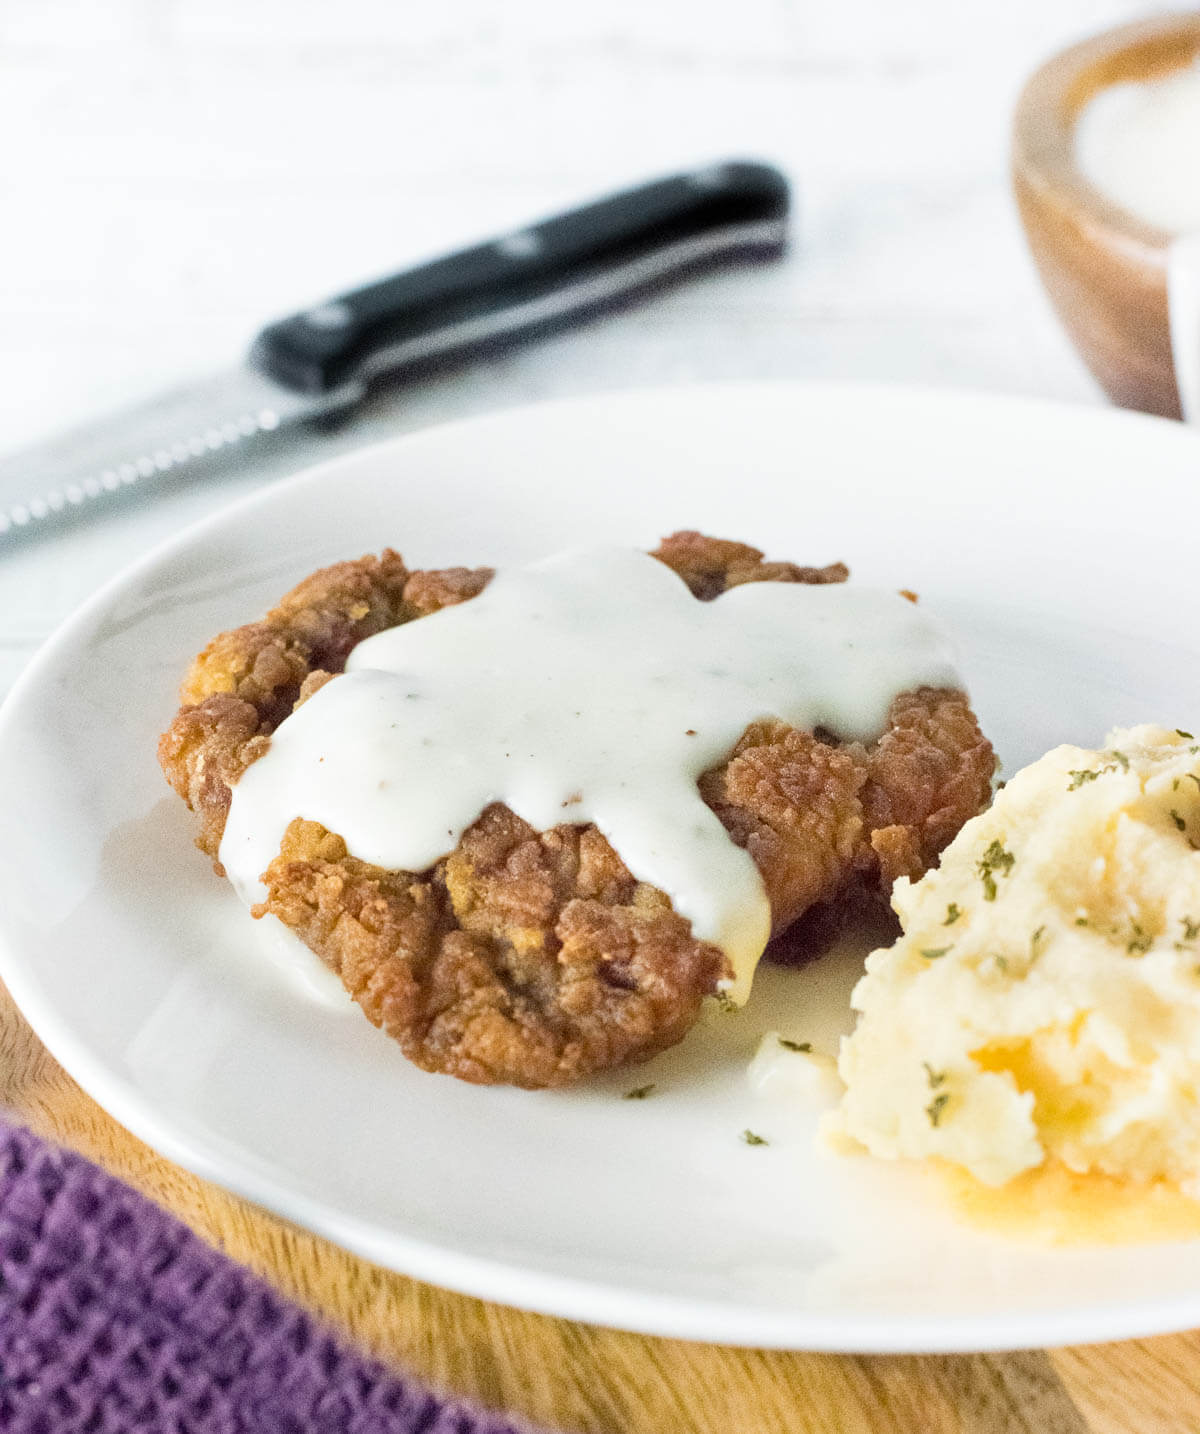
x=177, y=171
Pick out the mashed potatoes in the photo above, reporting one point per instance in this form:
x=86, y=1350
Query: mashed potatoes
x=1044, y=1000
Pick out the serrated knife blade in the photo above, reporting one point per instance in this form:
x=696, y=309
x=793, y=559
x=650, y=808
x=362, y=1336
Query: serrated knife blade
x=318, y=363
x=152, y=443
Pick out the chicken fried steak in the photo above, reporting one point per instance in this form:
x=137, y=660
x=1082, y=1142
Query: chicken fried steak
x=535, y=957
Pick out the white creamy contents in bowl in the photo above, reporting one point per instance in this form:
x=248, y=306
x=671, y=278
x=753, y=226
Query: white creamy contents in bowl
x=591, y=687
x=1044, y=1000
x=1139, y=144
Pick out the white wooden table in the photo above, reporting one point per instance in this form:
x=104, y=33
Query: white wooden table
x=175, y=172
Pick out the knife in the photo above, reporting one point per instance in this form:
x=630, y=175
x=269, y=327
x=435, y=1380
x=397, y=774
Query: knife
x=317, y=365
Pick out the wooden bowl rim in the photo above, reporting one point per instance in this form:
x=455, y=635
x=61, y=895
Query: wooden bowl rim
x=1052, y=100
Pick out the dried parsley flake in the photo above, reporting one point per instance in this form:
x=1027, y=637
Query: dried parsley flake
x=935, y=1107
x=804, y=1046
x=1085, y=774
x=751, y=1139
x=995, y=859
x=1139, y=942
x=934, y=952
x=639, y=1092
x=1089, y=774
x=952, y=914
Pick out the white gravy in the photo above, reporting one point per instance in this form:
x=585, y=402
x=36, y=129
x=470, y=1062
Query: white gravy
x=590, y=687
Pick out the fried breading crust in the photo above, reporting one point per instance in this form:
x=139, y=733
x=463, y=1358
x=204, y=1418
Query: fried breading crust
x=535, y=958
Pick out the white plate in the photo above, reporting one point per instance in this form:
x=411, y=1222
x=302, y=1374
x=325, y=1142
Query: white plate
x=1060, y=546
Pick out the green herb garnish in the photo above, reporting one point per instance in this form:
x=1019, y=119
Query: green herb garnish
x=1139, y=943
x=934, y=952
x=804, y=1046
x=751, y=1139
x=995, y=859
x=1179, y=732
x=639, y=1092
x=935, y=1078
x=1089, y=774
x=1191, y=929
x=935, y=1107
x=952, y=914
x=1180, y=824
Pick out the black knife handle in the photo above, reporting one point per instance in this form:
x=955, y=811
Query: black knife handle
x=534, y=278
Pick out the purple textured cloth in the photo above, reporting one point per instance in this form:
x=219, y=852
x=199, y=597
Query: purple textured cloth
x=115, y=1318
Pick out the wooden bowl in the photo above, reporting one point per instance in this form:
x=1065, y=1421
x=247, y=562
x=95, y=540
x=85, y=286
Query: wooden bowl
x=1104, y=270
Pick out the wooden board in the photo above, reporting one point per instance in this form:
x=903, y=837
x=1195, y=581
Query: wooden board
x=588, y=1380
